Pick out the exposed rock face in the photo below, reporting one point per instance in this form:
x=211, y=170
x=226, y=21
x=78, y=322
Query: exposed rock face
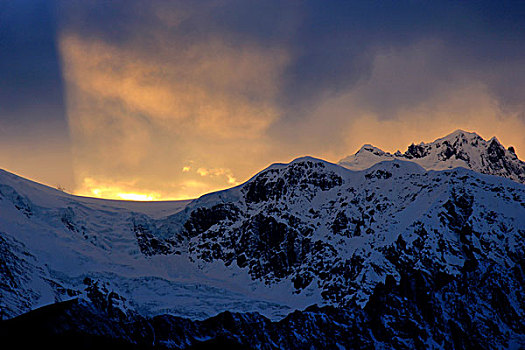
x=16, y=268
x=147, y=234
x=337, y=242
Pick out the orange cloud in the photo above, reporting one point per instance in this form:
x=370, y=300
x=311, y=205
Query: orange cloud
x=219, y=172
x=140, y=115
x=136, y=113
x=211, y=86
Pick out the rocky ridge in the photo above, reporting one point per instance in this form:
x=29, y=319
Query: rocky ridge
x=458, y=149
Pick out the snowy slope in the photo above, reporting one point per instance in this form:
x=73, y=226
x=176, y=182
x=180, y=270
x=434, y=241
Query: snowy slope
x=294, y=235
x=53, y=243
x=459, y=149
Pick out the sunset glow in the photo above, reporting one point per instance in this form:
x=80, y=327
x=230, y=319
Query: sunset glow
x=136, y=197
x=94, y=188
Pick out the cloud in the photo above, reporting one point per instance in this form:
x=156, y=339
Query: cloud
x=206, y=94
x=135, y=112
x=336, y=46
x=217, y=88
x=219, y=172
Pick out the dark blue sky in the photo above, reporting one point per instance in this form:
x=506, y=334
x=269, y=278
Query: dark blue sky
x=332, y=43
x=34, y=135
x=30, y=68
x=310, y=72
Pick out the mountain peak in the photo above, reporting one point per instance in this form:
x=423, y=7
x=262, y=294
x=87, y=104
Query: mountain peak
x=458, y=135
x=461, y=133
x=371, y=148
x=365, y=157
x=495, y=140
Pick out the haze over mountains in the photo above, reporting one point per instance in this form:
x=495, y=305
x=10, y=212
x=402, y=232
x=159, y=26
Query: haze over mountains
x=417, y=249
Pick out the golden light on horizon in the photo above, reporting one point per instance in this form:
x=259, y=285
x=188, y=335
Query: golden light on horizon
x=124, y=190
x=135, y=191
x=136, y=197
x=185, y=120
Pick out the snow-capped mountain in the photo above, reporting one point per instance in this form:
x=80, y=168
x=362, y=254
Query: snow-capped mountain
x=392, y=255
x=459, y=149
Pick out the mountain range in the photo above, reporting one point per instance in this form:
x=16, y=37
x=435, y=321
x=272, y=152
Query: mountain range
x=422, y=249
x=459, y=149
